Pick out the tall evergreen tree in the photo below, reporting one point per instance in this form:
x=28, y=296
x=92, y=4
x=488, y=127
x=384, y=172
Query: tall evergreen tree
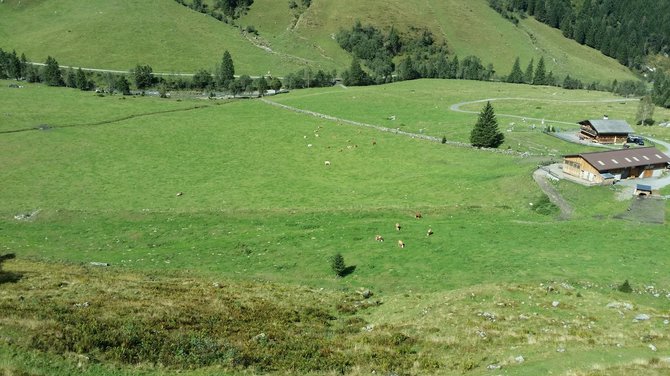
x=540, y=77
x=485, y=133
x=356, y=76
x=528, y=75
x=51, y=74
x=226, y=70
x=516, y=76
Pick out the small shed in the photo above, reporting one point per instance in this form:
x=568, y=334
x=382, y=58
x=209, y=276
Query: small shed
x=605, y=131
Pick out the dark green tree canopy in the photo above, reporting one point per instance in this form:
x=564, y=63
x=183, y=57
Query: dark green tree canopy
x=516, y=76
x=485, y=134
x=540, y=77
x=144, y=77
x=51, y=74
x=226, y=70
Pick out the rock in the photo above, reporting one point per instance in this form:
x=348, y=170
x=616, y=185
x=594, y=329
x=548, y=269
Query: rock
x=216, y=284
x=488, y=315
x=523, y=317
x=617, y=305
x=259, y=337
x=641, y=317
x=366, y=293
x=82, y=305
x=652, y=347
x=519, y=359
x=555, y=303
x=494, y=366
x=369, y=328
x=666, y=321
x=560, y=350
x=95, y=263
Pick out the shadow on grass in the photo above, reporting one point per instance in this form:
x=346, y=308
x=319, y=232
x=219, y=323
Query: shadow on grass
x=10, y=277
x=348, y=270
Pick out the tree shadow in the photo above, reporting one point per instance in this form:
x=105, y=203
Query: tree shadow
x=10, y=277
x=348, y=270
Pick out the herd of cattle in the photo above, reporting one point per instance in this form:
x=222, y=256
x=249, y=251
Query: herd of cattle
x=398, y=227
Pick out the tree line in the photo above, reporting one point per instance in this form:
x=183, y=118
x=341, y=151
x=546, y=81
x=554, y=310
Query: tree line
x=625, y=30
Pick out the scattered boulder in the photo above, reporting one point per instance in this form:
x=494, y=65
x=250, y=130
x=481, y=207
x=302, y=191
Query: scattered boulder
x=96, y=263
x=618, y=305
x=641, y=317
x=366, y=293
x=519, y=359
x=494, y=366
x=259, y=337
x=555, y=303
x=488, y=315
x=652, y=347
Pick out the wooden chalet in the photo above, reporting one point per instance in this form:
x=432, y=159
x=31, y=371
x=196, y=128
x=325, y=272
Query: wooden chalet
x=612, y=165
x=605, y=131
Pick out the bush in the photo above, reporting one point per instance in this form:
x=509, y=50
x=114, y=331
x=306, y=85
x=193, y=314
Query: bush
x=625, y=287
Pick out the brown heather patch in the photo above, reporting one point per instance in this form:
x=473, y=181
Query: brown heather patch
x=179, y=322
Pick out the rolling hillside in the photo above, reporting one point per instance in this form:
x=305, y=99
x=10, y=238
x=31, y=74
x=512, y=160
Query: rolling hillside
x=172, y=38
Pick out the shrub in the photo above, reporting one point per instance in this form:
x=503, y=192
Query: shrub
x=625, y=287
x=337, y=265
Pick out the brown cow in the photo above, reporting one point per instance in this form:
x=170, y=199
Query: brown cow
x=397, y=226
x=418, y=215
x=379, y=238
x=401, y=244
x=430, y=232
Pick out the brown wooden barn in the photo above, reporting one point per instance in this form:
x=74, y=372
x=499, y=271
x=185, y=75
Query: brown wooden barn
x=612, y=165
x=605, y=131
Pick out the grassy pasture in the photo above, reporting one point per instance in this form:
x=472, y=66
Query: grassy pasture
x=261, y=209
x=172, y=38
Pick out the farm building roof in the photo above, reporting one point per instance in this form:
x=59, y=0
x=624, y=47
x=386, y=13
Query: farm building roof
x=643, y=187
x=623, y=158
x=608, y=126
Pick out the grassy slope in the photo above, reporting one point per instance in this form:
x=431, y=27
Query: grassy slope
x=259, y=205
x=170, y=37
x=121, y=34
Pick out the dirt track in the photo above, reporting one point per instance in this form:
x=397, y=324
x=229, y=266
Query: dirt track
x=540, y=177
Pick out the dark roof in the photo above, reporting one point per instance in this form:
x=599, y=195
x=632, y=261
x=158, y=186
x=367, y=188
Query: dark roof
x=609, y=126
x=623, y=158
x=643, y=187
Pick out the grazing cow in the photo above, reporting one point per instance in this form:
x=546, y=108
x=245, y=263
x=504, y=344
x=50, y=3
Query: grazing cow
x=327, y=163
x=379, y=238
x=397, y=226
x=418, y=215
x=180, y=194
x=429, y=232
x=401, y=244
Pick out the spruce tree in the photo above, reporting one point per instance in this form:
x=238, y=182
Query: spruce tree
x=485, y=133
x=528, y=76
x=51, y=74
x=516, y=76
x=226, y=71
x=540, y=77
x=337, y=265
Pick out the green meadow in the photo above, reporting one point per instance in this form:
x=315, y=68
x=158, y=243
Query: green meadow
x=117, y=35
x=260, y=214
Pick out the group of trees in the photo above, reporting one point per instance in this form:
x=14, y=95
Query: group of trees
x=532, y=76
x=625, y=30
x=12, y=66
x=222, y=10
x=417, y=53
